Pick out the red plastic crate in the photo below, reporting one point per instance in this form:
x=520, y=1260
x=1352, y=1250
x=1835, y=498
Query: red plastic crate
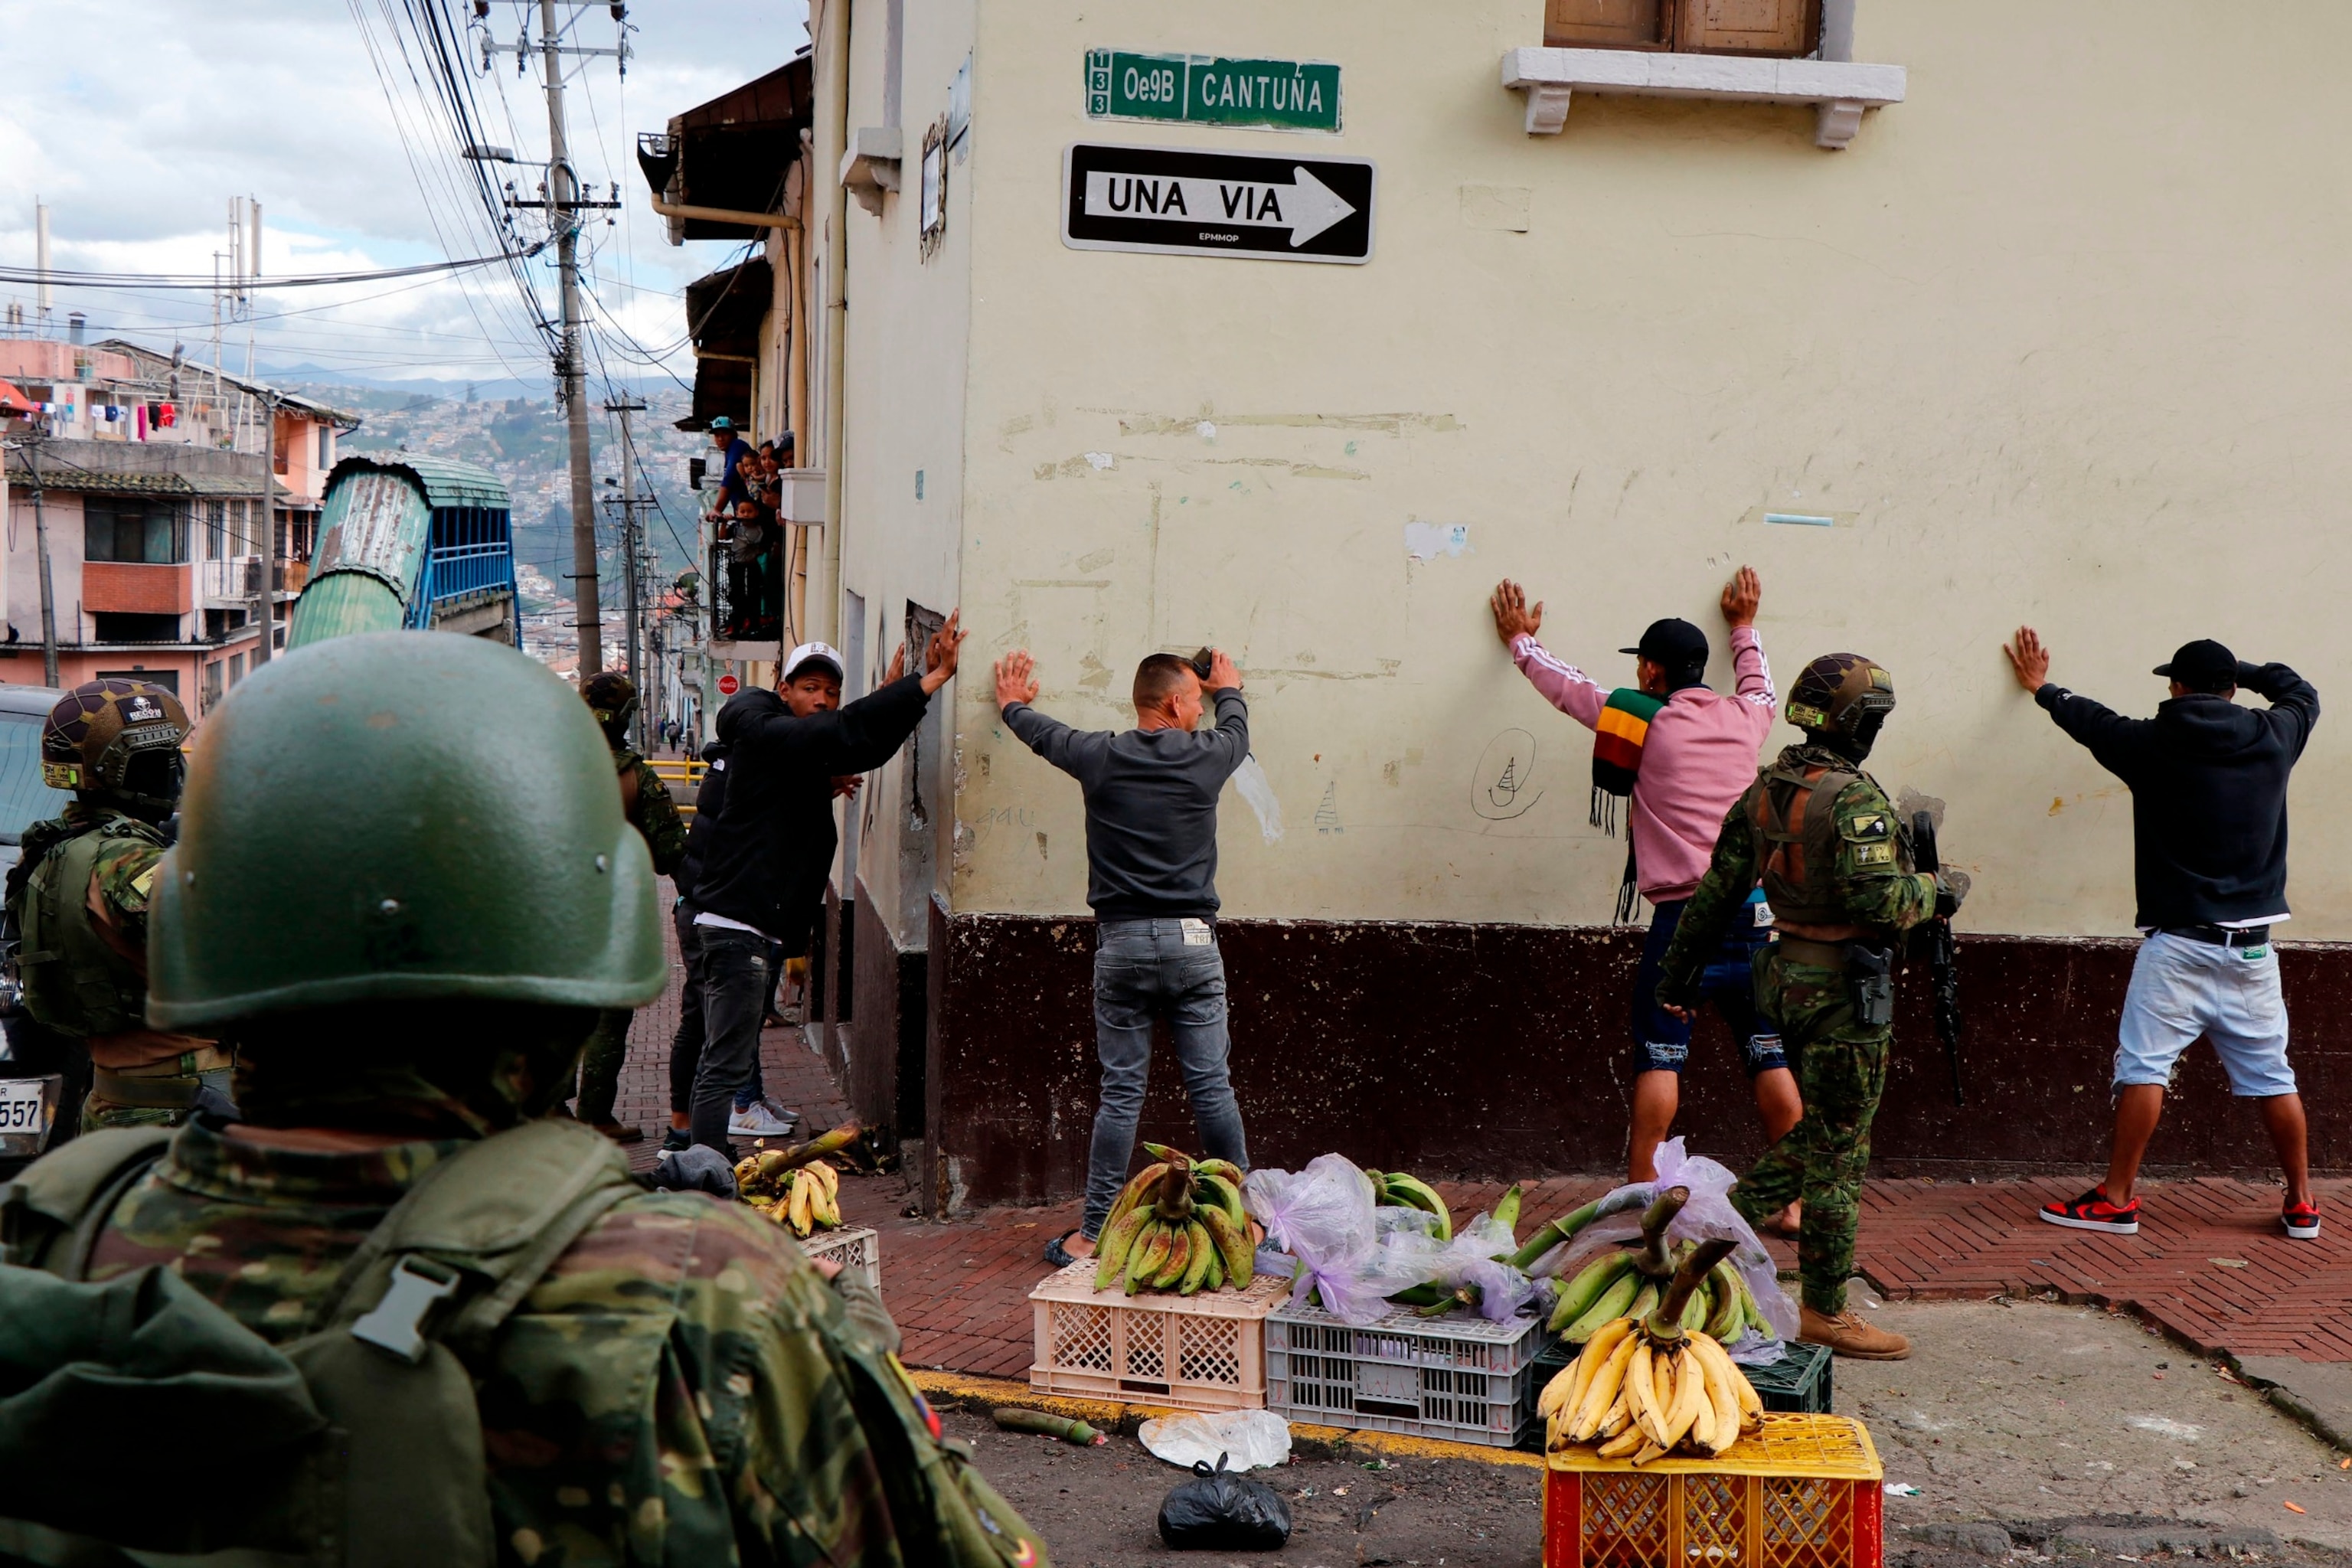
x=1804, y=1492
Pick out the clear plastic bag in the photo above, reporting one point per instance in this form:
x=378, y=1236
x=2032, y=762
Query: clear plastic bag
x=1323, y=1218
x=1707, y=1216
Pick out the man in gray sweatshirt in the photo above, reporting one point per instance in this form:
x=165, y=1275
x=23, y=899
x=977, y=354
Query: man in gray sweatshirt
x=1151, y=880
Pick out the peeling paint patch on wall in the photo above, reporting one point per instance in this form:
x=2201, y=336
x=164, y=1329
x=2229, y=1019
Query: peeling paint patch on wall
x=1427, y=541
x=1251, y=782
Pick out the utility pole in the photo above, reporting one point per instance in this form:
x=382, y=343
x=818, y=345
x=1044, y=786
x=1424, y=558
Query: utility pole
x=41, y=544
x=265, y=567
x=629, y=549
x=563, y=217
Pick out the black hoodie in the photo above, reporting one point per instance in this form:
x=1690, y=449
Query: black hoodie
x=2208, y=793
x=771, y=844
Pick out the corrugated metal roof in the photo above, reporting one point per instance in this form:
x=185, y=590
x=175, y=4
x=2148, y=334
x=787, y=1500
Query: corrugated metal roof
x=445, y=480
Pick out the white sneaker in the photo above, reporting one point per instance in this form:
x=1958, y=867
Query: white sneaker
x=781, y=1112
x=756, y=1121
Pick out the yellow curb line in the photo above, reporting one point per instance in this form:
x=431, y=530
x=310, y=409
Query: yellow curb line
x=960, y=1391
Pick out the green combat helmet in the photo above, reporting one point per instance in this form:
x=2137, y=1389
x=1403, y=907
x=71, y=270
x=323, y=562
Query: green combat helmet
x=401, y=816
x=118, y=741
x=1844, y=699
x=612, y=697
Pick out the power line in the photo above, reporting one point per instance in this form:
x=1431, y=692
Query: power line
x=311, y=280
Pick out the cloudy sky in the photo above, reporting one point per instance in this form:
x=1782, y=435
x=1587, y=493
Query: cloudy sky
x=136, y=124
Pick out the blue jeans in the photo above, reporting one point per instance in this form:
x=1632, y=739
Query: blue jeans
x=1146, y=970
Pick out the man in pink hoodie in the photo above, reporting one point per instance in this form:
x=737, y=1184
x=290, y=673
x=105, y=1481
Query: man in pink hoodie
x=1697, y=757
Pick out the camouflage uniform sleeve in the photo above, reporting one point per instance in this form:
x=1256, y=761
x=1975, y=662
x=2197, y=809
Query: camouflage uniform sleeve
x=658, y=820
x=1875, y=880
x=1730, y=878
x=123, y=887
x=685, y=1387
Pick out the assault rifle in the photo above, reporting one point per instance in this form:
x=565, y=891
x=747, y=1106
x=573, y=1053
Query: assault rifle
x=1941, y=964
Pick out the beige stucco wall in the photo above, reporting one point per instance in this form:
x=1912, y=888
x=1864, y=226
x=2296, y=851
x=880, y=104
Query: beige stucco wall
x=904, y=388
x=2057, y=340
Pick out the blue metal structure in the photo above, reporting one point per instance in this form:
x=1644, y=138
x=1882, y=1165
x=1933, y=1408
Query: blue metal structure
x=408, y=543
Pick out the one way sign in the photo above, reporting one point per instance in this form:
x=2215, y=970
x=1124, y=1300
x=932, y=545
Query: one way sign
x=1189, y=203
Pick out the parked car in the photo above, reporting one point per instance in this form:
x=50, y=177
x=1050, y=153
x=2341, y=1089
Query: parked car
x=43, y=1076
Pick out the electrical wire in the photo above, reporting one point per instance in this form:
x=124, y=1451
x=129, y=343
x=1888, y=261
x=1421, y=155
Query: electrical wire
x=188, y=280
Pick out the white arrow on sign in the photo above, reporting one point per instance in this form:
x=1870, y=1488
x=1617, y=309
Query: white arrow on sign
x=1307, y=207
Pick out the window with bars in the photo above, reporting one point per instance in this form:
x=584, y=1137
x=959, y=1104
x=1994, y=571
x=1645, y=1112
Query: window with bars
x=1778, y=27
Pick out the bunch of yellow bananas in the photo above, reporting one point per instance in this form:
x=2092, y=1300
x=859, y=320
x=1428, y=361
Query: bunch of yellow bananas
x=813, y=1203
x=1645, y=1386
x=1177, y=1227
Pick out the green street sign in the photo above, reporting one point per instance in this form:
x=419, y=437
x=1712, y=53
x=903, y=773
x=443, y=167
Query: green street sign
x=1206, y=90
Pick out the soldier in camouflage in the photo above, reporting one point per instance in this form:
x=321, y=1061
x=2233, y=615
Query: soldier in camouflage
x=668, y=1379
x=1820, y=835
x=612, y=697
x=78, y=898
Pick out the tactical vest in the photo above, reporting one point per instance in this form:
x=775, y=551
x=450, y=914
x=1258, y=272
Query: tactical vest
x=1794, y=819
x=360, y=1444
x=74, y=982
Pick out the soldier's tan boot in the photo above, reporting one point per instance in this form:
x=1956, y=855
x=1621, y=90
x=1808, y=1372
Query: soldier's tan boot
x=1847, y=1335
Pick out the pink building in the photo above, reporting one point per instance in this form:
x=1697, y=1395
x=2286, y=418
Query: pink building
x=148, y=477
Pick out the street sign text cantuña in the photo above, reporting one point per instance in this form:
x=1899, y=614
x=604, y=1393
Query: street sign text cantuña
x=1207, y=89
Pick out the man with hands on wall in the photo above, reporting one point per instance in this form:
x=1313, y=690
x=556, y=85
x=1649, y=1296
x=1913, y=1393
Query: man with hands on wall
x=1152, y=868
x=2207, y=780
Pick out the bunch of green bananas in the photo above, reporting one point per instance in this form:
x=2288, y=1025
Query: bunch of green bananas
x=1396, y=1190
x=1616, y=1285
x=1179, y=1226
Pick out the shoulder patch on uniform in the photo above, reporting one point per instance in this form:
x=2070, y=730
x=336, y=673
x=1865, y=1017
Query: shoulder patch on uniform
x=143, y=884
x=1868, y=824
x=1880, y=854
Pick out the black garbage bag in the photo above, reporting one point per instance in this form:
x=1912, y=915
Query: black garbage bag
x=1217, y=1511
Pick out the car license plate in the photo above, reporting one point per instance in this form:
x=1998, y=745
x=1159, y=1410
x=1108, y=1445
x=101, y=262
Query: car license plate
x=24, y=1111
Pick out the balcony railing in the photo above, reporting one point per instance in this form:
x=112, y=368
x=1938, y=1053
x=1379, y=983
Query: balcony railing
x=236, y=577
x=747, y=598
x=458, y=570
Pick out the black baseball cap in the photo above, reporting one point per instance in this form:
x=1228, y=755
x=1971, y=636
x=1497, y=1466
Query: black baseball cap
x=1676, y=644
x=2202, y=663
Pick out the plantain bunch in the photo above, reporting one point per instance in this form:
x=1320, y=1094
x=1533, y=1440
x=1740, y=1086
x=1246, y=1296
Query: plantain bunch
x=1645, y=1387
x=1179, y=1226
x=1395, y=1189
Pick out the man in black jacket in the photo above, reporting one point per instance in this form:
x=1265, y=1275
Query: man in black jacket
x=2208, y=859
x=760, y=876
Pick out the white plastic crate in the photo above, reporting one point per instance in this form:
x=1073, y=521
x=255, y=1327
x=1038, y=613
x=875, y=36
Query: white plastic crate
x=1186, y=1353
x=1458, y=1377
x=858, y=1249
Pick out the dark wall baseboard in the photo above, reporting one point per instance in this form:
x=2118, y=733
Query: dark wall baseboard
x=1502, y=1051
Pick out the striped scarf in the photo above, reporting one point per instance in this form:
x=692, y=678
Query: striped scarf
x=1617, y=740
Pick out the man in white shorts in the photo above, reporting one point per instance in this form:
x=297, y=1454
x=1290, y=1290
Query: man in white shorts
x=2209, y=847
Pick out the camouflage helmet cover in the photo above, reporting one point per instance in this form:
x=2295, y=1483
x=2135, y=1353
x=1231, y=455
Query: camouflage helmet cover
x=1836, y=692
x=611, y=696
x=97, y=729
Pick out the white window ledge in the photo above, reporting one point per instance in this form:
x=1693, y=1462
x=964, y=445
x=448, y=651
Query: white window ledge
x=1840, y=89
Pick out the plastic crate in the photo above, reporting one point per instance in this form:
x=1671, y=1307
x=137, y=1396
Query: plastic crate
x=1796, y=1384
x=858, y=1249
x=1185, y=1353
x=1458, y=1377
x=1804, y=1492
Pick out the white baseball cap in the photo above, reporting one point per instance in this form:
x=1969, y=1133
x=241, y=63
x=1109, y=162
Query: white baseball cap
x=818, y=653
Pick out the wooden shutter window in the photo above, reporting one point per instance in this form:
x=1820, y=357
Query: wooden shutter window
x=1781, y=28
x=1608, y=24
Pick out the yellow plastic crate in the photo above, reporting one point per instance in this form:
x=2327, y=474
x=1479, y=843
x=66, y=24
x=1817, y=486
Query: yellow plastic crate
x=1804, y=1492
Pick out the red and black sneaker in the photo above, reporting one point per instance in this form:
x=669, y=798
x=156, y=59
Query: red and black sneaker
x=2302, y=1221
x=2092, y=1212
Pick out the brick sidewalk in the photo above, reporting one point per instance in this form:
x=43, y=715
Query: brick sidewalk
x=2211, y=1265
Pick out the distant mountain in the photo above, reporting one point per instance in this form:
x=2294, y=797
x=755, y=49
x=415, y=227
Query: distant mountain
x=521, y=439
